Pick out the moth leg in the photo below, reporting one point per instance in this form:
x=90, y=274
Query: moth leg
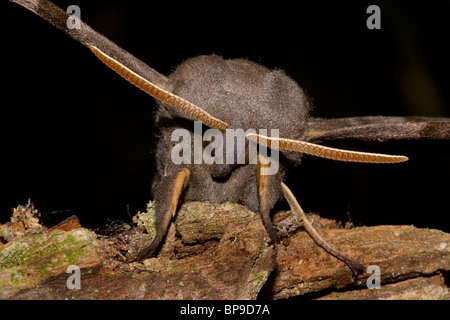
x=355, y=266
x=166, y=206
x=264, y=197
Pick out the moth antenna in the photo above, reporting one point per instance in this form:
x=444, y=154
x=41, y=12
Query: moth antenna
x=160, y=93
x=326, y=152
x=88, y=37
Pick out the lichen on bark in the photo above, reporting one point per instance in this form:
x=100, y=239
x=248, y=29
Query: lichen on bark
x=218, y=251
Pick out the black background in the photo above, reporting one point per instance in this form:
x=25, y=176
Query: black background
x=77, y=139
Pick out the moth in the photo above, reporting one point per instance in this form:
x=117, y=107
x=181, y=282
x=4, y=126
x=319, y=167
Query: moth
x=238, y=94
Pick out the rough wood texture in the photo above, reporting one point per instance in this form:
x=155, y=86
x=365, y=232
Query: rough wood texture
x=421, y=288
x=218, y=252
x=399, y=251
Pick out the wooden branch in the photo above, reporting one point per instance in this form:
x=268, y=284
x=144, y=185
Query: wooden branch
x=219, y=251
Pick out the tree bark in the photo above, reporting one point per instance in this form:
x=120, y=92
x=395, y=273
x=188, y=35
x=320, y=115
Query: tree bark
x=219, y=251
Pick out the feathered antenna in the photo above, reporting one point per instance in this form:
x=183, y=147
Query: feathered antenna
x=128, y=66
x=325, y=152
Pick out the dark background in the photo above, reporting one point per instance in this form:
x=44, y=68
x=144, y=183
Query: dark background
x=77, y=139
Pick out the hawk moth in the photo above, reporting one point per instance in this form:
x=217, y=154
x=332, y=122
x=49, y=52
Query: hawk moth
x=292, y=122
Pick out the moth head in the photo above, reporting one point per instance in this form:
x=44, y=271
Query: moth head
x=244, y=94
x=243, y=81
